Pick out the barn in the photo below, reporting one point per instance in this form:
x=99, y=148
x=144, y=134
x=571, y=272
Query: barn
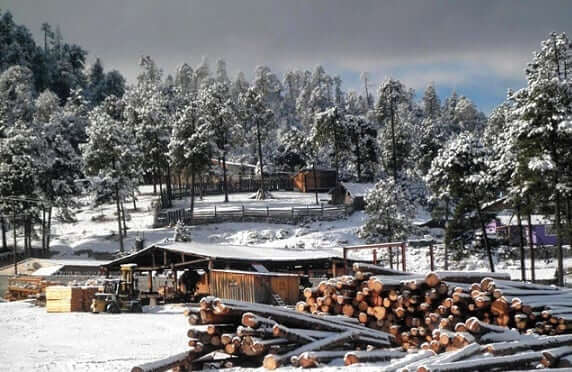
x=323, y=180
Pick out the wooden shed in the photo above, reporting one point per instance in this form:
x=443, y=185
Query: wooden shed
x=253, y=286
x=324, y=180
x=351, y=194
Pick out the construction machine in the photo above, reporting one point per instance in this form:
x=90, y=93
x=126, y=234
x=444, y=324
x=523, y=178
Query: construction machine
x=118, y=295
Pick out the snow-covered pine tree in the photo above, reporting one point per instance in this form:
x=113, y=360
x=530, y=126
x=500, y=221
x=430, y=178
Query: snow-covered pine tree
x=543, y=112
x=390, y=209
x=147, y=114
x=190, y=146
x=111, y=155
x=257, y=120
x=460, y=171
x=331, y=130
x=219, y=111
x=393, y=112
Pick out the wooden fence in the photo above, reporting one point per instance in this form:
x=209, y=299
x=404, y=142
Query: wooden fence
x=238, y=214
x=242, y=184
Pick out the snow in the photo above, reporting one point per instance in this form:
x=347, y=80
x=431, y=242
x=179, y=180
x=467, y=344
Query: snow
x=34, y=340
x=358, y=189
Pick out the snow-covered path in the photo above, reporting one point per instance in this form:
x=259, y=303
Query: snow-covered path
x=33, y=340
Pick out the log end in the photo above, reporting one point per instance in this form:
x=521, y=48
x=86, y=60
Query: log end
x=271, y=361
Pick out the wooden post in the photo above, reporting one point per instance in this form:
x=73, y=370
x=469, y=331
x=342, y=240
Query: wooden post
x=322, y=210
x=345, y=260
x=165, y=258
x=267, y=212
x=333, y=268
x=375, y=256
x=431, y=256
x=175, y=279
x=215, y=211
x=403, y=248
x=150, y=279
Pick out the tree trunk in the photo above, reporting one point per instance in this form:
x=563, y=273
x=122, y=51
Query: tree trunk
x=118, y=218
x=224, y=177
x=569, y=221
x=169, y=188
x=192, y=193
x=123, y=219
x=445, y=242
x=559, y=240
x=4, y=241
x=520, y=243
x=485, y=238
x=259, y=138
x=530, y=244
x=358, y=160
x=393, y=150
x=134, y=202
x=49, y=231
x=43, y=231
x=315, y=181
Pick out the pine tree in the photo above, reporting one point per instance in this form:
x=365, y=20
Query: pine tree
x=111, y=156
x=190, y=147
x=257, y=118
x=543, y=111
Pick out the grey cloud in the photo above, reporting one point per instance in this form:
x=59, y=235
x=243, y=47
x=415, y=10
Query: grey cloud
x=349, y=35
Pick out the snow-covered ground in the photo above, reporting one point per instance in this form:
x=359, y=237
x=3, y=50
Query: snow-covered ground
x=93, y=234
x=34, y=340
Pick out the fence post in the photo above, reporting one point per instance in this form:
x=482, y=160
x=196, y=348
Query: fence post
x=322, y=210
x=292, y=209
x=215, y=211
x=267, y=212
x=307, y=210
x=243, y=211
x=432, y=257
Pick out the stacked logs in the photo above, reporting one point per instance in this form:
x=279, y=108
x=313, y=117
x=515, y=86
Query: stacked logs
x=429, y=311
x=437, y=322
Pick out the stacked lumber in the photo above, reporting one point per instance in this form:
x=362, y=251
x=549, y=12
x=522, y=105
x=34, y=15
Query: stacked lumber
x=87, y=296
x=60, y=299
x=24, y=287
x=69, y=298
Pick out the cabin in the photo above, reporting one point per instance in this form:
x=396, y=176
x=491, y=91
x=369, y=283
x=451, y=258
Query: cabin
x=351, y=194
x=543, y=229
x=315, y=180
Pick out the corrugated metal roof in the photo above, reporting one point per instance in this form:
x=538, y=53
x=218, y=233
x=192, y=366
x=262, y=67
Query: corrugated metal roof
x=234, y=252
x=244, y=253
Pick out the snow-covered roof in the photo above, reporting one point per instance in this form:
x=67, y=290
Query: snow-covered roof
x=234, y=252
x=508, y=218
x=47, y=270
x=244, y=253
x=357, y=189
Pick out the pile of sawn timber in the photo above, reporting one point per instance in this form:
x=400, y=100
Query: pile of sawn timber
x=436, y=322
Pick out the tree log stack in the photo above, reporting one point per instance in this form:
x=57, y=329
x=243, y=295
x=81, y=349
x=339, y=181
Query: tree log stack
x=442, y=321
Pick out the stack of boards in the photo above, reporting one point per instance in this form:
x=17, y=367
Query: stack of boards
x=60, y=299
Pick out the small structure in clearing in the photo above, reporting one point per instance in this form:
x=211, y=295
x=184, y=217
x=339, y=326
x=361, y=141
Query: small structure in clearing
x=312, y=180
x=351, y=194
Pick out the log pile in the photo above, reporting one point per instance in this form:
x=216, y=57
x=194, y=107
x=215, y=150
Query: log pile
x=437, y=322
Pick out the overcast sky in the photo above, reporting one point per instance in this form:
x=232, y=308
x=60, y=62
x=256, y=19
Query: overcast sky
x=480, y=48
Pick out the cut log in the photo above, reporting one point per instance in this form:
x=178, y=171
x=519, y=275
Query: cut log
x=163, y=364
x=354, y=357
x=275, y=361
x=502, y=362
